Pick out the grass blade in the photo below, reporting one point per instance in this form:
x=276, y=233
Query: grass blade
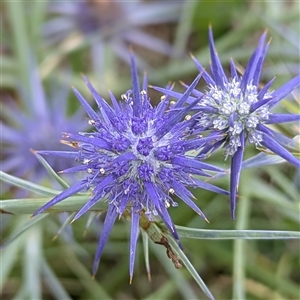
x=190, y=268
x=30, y=205
x=23, y=228
x=27, y=185
x=52, y=281
x=195, y=233
x=51, y=172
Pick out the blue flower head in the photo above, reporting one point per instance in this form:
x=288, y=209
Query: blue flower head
x=113, y=24
x=38, y=126
x=136, y=159
x=240, y=110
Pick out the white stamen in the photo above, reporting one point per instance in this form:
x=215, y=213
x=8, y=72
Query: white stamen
x=171, y=191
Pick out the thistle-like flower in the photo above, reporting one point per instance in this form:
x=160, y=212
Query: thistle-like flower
x=113, y=24
x=136, y=159
x=36, y=123
x=240, y=110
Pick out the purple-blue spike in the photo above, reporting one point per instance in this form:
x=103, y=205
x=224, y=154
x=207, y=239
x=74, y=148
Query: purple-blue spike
x=185, y=195
x=282, y=118
x=205, y=75
x=252, y=64
x=286, y=89
x=257, y=71
x=135, y=87
x=105, y=109
x=271, y=144
x=264, y=90
x=209, y=187
x=235, y=172
x=173, y=120
x=191, y=163
x=86, y=139
x=97, y=193
x=114, y=102
x=197, y=143
x=233, y=71
x=217, y=69
x=110, y=219
x=65, y=154
x=135, y=217
x=145, y=82
x=187, y=93
x=86, y=106
x=74, y=169
x=72, y=190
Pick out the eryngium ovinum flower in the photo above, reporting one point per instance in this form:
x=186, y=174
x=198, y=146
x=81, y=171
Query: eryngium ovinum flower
x=136, y=159
x=239, y=109
x=19, y=131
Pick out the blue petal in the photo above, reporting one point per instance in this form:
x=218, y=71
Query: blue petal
x=97, y=195
x=271, y=144
x=65, y=194
x=145, y=82
x=197, y=143
x=38, y=101
x=257, y=71
x=105, y=109
x=217, y=69
x=127, y=156
x=8, y=134
x=211, y=148
x=193, y=163
x=96, y=141
x=187, y=93
x=263, y=91
x=253, y=62
x=198, y=94
x=93, y=115
x=135, y=87
x=162, y=107
x=279, y=94
x=282, y=139
x=66, y=154
x=259, y=104
x=114, y=102
x=110, y=219
x=265, y=129
x=168, y=92
x=135, y=217
x=185, y=195
x=235, y=172
x=152, y=194
x=282, y=118
x=210, y=187
x=205, y=75
x=75, y=169
x=206, y=109
x=173, y=120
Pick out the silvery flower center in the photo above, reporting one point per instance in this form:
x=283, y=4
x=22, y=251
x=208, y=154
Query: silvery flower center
x=234, y=113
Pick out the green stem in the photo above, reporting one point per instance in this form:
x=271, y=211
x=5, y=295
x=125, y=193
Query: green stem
x=243, y=213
